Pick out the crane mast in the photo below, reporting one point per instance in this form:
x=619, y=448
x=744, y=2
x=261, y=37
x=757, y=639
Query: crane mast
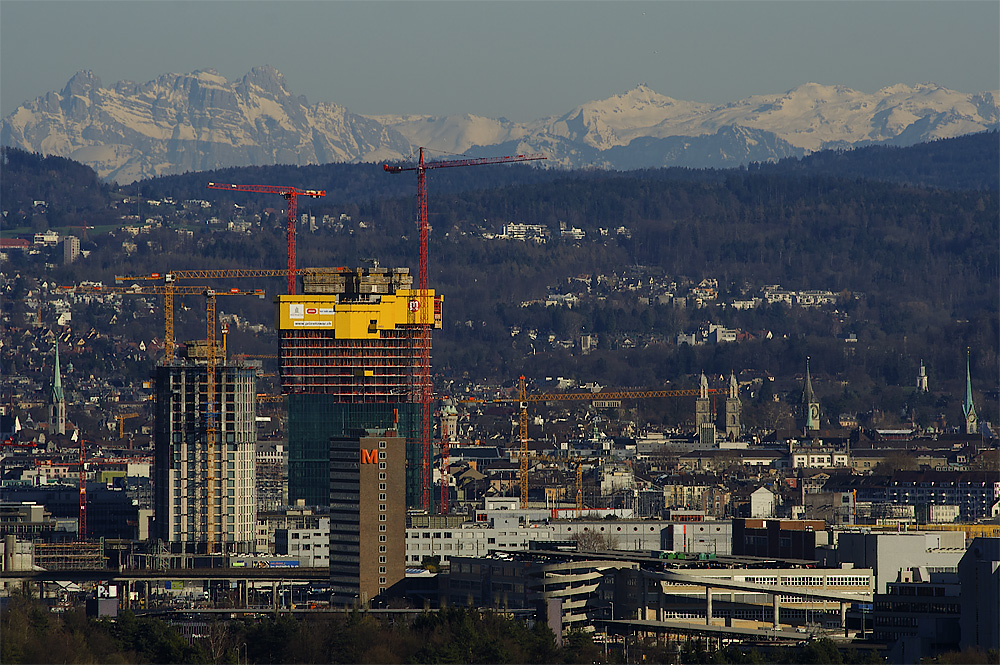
x=212, y=409
x=524, y=398
x=290, y=194
x=424, y=379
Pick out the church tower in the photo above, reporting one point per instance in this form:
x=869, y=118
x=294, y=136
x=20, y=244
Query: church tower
x=702, y=405
x=922, y=378
x=57, y=402
x=968, y=407
x=810, y=405
x=704, y=426
x=733, y=407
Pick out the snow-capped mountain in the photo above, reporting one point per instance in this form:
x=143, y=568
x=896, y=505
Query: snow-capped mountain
x=200, y=121
x=193, y=122
x=641, y=128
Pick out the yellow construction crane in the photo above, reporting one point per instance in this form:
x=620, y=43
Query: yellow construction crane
x=212, y=413
x=168, y=291
x=577, y=463
x=170, y=288
x=524, y=399
x=121, y=422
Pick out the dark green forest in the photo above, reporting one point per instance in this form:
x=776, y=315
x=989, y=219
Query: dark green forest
x=907, y=237
x=31, y=634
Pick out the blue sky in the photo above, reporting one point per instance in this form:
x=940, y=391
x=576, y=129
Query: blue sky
x=519, y=60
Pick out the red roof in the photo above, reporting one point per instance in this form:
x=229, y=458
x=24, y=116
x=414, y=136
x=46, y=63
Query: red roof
x=14, y=243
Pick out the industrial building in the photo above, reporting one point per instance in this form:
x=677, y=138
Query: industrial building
x=351, y=361
x=367, y=516
x=660, y=591
x=205, y=495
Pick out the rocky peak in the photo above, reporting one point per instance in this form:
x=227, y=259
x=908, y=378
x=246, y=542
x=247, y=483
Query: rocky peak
x=267, y=79
x=82, y=83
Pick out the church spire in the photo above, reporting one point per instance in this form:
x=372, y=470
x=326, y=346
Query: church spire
x=810, y=406
x=968, y=406
x=922, y=378
x=57, y=391
x=731, y=422
x=808, y=395
x=57, y=402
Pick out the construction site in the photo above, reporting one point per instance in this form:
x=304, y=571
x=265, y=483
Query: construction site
x=352, y=359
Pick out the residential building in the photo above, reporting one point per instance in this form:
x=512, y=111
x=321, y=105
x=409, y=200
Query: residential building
x=71, y=249
x=762, y=503
x=819, y=458
x=976, y=493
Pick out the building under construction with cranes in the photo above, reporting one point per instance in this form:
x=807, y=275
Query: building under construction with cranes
x=351, y=362
x=205, y=494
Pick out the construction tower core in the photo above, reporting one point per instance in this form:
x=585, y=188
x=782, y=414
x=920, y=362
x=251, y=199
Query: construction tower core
x=350, y=362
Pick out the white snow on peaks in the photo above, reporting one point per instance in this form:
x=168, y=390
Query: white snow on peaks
x=200, y=121
x=210, y=76
x=451, y=133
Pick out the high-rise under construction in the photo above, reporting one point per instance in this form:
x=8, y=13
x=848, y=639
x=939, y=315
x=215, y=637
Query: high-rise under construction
x=351, y=362
x=205, y=446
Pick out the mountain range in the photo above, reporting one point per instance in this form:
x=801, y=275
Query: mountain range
x=200, y=121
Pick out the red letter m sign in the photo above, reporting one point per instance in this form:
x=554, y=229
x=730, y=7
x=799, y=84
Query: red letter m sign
x=368, y=456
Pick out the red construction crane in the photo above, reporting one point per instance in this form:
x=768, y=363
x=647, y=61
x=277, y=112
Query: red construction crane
x=425, y=301
x=291, y=194
x=82, y=528
x=82, y=471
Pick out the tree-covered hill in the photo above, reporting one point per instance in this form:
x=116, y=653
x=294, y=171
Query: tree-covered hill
x=906, y=238
x=72, y=193
x=964, y=162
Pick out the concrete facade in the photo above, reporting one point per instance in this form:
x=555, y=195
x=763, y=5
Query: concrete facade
x=889, y=553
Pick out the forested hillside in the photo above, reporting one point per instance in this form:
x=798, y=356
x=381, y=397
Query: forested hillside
x=964, y=162
x=914, y=266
